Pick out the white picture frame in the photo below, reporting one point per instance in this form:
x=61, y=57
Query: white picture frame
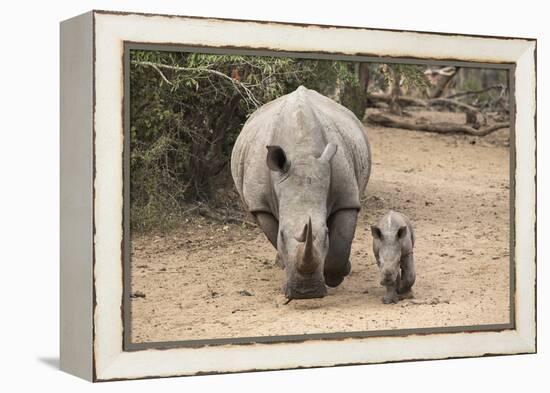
x=92, y=194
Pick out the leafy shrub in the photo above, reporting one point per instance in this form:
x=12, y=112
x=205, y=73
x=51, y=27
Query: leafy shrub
x=187, y=109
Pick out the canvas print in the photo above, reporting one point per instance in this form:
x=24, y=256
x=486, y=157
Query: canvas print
x=279, y=197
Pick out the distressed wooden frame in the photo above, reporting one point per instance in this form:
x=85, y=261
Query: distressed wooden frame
x=92, y=189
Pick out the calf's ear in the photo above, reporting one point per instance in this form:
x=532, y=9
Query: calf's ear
x=376, y=232
x=276, y=159
x=401, y=232
x=329, y=152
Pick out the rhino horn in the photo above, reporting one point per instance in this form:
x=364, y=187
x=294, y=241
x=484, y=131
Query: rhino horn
x=329, y=152
x=306, y=264
x=302, y=236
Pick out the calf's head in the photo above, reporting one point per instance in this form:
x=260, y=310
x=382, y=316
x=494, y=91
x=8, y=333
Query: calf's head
x=387, y=247
x=301, y=186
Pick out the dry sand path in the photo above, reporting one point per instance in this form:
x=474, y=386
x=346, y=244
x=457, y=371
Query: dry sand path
x=208, y=280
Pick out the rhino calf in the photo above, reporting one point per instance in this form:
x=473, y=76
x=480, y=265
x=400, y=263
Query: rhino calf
x=393, y=242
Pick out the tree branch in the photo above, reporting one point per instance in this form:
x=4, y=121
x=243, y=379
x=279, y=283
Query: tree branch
x=248, y=95
x=156, y=68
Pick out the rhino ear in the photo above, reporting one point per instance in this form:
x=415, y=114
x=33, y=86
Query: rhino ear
x=401, y=232
x=376, y=232
x=276, y=159
x=329, y=152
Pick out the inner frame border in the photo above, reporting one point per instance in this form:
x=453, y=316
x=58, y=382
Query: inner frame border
x=128, y=345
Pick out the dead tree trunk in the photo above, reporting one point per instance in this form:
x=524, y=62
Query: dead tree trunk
x=354, y=96
x=395, y=90
x=444, y=78
x=364, y=77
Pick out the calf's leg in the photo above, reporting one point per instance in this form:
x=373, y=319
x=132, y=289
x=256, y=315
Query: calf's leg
x=391, y=295
x=408, y=276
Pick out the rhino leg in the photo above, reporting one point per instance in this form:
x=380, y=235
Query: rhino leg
x=270, y=226
x=341, y=227
x=408, y=276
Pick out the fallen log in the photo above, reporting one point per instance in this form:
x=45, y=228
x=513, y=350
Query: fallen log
x=439, y=127
x=451, y=103
x=412, y=101
x=474, y=117
x=402, y=100
x=499, y=86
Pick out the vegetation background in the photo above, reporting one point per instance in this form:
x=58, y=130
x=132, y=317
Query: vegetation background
x=187, y=109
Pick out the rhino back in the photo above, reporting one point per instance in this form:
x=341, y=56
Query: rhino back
x=342, y=122
x=302, y=123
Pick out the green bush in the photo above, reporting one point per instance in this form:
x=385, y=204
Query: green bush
x=187, y=109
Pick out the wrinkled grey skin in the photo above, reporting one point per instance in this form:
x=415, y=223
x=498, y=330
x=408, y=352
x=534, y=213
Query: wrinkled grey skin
x=393, y=243
x=300, y=165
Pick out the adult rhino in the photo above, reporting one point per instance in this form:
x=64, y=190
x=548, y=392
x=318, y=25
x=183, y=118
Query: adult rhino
x=300, y=165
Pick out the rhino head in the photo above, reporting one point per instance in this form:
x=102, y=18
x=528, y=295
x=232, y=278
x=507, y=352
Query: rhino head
x=301, y=187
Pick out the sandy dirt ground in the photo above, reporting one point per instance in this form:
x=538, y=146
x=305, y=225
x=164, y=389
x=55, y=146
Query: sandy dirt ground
x=212, y=280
